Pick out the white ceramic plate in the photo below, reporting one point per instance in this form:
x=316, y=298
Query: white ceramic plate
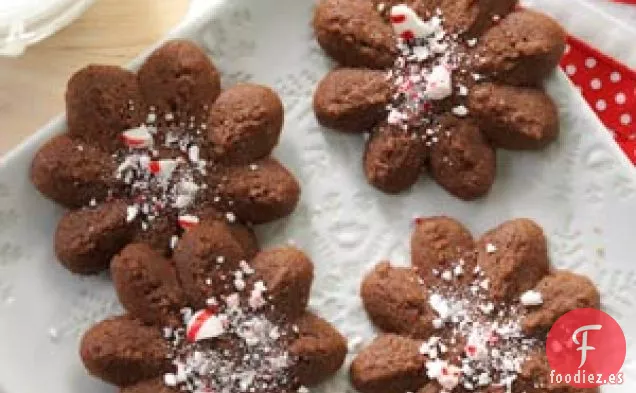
x=581, y=189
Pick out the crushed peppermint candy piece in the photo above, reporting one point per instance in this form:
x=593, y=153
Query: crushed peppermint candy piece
x=438, y=323
x=138, y=138
x=239, y=284
x=188, y=221
x=162, y=168
x=460, y=110
x=438, y=82
x=408, y=25
x=193, y=153
x=245, y=267
x=447, y=275
x=174, y=239
x=131, y=213
x=204, y=324
x=169, y=379
x=487, y=308
x=434, y=368
x=256, y=299
x=449, y=377
x=531, y=298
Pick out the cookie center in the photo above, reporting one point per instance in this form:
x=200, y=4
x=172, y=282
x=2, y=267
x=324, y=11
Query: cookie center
x=233, y=345
x=479, y=342
x=429, y=75
x=162, y=171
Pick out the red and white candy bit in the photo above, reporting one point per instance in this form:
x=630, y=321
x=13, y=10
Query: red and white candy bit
x=439, y=82
x=476, y=351
x=187, y=221
x=163, y=168
x=449, y=377
x=138, y=138
x=204, y=324
x=407, y=24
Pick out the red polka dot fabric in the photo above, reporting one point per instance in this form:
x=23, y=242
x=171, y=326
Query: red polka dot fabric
x=608, y=86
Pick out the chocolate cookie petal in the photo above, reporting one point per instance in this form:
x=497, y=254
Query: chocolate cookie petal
x=205, y=258
x=396, y=301
x=245, y=123
x=354, y=33
x=155, y=385
x=514, y=257
x=147, y=285
x=242, y=233
x=101, y=102
x=352, y=100
x=319, y=348
x=123, y=351
x=390, y=364
x=159, y=233
x=462, y=161
x=86, y=240
x=467, y=17
x=561, y=292
x=261, y=192
x=515, y=117
x=287, y=274
x=178, y=78
x=523, y=49
x=247, y=239
x=473, y=17
x=393, y=158
x=440, y=243
x=72, y=173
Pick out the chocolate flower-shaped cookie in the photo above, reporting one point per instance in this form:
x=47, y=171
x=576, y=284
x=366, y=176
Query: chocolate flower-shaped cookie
x=468, y=316
x=209, y=321
x=151, y=153
x=439, y=84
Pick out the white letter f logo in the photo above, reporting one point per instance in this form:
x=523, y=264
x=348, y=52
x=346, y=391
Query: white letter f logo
x=584, y=347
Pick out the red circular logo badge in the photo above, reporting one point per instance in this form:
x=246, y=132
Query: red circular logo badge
x=586, y=348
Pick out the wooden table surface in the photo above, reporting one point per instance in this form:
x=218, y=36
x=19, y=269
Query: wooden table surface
x=110, y=32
